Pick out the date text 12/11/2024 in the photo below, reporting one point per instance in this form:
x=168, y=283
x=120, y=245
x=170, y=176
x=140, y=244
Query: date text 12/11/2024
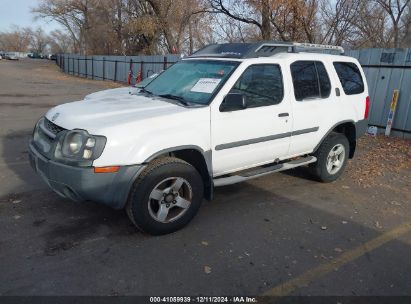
x=203, y=299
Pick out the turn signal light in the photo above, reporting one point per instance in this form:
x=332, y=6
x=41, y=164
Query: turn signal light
x=110, y=169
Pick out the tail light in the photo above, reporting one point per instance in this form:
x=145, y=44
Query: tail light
x=367, y=107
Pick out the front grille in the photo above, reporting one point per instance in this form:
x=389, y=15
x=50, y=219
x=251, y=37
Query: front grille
x=44, y=137
x=52, y=127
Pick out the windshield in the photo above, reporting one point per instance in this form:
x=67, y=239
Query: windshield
x=146, y=81
x=192, y=81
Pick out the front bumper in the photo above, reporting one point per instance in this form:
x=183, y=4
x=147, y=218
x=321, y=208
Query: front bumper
x=82, y=184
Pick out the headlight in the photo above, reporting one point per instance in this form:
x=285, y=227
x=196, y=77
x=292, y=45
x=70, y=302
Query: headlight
x=73, y=145
x=79, y=145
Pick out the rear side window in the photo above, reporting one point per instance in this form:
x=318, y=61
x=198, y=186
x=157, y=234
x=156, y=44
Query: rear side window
x=350, y=77
x=262, y=84
x=310, y=80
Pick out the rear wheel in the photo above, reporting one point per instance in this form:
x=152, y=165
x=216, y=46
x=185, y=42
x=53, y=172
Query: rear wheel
x=332, y=156
x=166, y=196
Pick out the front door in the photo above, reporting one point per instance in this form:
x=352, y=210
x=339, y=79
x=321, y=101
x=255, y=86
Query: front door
x=258, y=134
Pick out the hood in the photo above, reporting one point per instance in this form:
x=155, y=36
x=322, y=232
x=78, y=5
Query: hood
x=113, y=108
x=123, y=91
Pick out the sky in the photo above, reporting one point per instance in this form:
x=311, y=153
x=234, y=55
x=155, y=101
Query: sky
x=17, y=12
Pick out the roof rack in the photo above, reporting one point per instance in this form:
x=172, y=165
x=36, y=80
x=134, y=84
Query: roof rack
x=295, y=47
x=263, y=49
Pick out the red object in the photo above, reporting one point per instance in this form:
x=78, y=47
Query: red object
x=367, y=107
x=111, y=169
x=174, y=50
x=130, y=76
x=138, y=80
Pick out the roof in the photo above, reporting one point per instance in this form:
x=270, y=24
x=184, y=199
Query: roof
x=262, y=49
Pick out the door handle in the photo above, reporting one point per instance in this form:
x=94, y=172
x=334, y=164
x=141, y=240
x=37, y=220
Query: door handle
x=283, y=115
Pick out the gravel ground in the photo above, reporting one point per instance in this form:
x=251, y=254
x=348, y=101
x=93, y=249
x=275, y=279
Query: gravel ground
x=280, y=234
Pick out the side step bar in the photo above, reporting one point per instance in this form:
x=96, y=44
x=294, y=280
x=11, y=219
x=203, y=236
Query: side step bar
x=223, y=181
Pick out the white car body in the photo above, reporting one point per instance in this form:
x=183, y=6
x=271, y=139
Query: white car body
x=137, y=126
x=224, y=115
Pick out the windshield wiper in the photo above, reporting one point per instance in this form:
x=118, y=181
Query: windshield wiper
x=143, y=90
x=175, y=97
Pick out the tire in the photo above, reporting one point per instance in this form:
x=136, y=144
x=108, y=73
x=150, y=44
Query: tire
x=336, y=143
x=165, y=197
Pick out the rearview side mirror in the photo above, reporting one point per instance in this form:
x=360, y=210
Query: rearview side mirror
x=233, y=102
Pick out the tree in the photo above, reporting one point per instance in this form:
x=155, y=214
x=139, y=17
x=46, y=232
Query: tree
x=38, y=40
x=395, y=10
x=73, y=15
x=174, y=18
x=407, y=26
x=16, y=40
x=279, y=19
x=256, y=13
x=339, y=20
x=60, y=42
x=370, y=28
x=295, y=20
x=128, y=27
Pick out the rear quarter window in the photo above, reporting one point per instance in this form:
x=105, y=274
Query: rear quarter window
x=350, y=77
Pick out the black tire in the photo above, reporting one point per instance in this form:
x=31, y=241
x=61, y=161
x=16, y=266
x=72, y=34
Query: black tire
x=319, y=168
x=139, y=205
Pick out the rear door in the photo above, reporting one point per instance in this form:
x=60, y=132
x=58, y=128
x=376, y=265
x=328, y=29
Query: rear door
x=314, y=104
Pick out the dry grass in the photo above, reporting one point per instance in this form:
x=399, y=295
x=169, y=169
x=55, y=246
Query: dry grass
x=378, y=157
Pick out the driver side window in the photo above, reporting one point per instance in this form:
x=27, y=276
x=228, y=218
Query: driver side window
x=261, y=84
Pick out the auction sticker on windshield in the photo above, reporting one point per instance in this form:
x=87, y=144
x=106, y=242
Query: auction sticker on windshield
x=205, y=85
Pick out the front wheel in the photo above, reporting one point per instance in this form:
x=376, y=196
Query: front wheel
x=165, y=197
x=332, y=156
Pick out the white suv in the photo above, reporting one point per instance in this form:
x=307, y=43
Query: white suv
x=226, y=114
